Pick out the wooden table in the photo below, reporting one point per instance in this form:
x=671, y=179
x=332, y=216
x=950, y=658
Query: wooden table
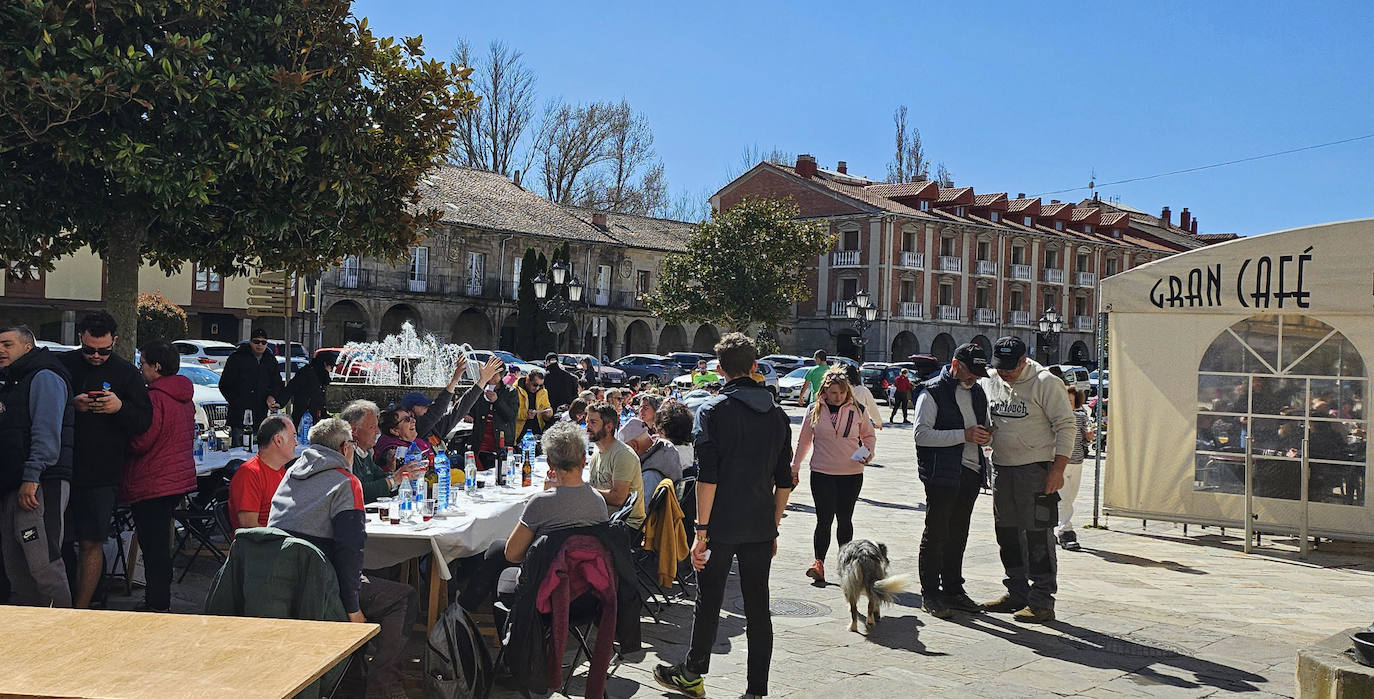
x=84, y=652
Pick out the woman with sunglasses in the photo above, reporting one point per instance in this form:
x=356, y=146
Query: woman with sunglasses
x=398, y=434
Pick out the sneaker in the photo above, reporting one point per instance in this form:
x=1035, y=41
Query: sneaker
x=1069, y=541
x=816, y=571
x=674, y=677
x=1006, y=604
x=1034, y=615
x=932, y=604
x=962, y=603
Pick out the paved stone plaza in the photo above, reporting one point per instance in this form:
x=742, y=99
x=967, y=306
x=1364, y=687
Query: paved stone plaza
x=1141, y=611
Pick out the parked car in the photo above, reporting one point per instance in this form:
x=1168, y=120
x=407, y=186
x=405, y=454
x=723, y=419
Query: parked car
x=207, y=353
x=211, y=408
x=353, y=364
x=297, y=364
x=925, y=365
x=878, y=375
x=770, y=375
x=54, y=346
x=279, y=348
x=510, y=359
x=687, y=361
x=1075, y=376
x=605, y=375
x=789, y=386
x=1097, y=382
x=653, y=368
x=785, y=363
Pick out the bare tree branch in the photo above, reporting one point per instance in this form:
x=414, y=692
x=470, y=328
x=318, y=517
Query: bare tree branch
x=489, y=135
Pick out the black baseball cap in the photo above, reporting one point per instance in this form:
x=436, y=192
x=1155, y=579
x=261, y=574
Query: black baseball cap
x=551, y=357
x=258, y=332
x=1007, y=352
x=972, y=356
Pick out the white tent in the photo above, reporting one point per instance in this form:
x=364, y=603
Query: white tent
x=1235, y=369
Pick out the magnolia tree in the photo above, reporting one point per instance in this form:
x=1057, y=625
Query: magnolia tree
x=742, y=268
x=225, y=134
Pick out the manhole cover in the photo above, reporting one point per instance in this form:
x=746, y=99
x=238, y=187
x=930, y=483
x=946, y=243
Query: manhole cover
x=1139, y=647
x=790, y=607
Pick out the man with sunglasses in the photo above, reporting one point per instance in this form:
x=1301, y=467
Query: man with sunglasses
x=250, y=381
x=112, y=405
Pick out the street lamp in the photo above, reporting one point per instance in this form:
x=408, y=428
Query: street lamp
x=862, y=311
x=558, y=307
x=1047, y=339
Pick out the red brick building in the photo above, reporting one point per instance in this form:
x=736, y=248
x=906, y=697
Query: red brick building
x=947, y=266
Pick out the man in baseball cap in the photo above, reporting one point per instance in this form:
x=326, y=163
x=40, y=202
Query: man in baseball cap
x=952, y=425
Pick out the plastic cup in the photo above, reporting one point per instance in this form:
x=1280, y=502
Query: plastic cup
x=427, y=509
x=384, y=509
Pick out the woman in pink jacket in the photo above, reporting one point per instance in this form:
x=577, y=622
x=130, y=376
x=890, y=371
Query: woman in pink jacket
x=161, y=468
x=843, y=441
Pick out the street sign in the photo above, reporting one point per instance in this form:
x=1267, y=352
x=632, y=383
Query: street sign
x=267, y=295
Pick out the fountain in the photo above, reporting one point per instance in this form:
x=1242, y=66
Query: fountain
x=383, y=371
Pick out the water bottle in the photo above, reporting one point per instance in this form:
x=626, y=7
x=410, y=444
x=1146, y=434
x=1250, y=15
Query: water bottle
x=406, y=500
x=441, y=485
x=304, y=434
x=508, y=467
x=470, y=475
x=200, y=447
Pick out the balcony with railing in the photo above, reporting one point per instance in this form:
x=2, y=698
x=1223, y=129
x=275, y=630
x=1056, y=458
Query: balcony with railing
x=985, y=316
x=985, y=268
x=1016, y=271
x=837, y=308
x=911, y=309
x=844, y=258
x=914, y=260
x=1053, y=276
x=1085, y=279
x=1021, y=319
x=1083, y=323
x=949, y=263
x=948, y=313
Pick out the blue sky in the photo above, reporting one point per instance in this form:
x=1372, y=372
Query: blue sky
x=1016, y=97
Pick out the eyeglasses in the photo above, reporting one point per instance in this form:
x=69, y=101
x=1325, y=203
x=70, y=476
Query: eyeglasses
x=102, y=351
x=408, y=418
x=259, y=342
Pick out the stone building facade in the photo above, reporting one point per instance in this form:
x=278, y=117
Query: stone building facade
x=947, y=266
x=460, y=282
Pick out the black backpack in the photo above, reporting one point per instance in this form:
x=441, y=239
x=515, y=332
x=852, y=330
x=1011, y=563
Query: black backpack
x=457, y=661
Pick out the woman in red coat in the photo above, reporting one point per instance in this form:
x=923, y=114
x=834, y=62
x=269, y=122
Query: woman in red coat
x=161, y=468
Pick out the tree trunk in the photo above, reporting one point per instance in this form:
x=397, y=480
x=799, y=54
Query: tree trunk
x=122, y=262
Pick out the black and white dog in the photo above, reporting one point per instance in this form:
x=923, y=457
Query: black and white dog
x=863, y=570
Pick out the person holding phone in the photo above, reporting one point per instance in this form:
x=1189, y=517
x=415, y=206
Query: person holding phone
x=952, y=425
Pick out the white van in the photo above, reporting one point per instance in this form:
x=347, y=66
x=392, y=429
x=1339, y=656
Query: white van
x=1075, y=376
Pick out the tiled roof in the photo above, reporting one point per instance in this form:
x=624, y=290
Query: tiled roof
x=863, y=195
x=1053, y=210
x=982, y=200
x=1210, y=238
x=1083, y=214
x=480, y=199
x=923, y=189
x=1022, y=204
x=642, y=231
x=1113, y=218
x=952, y=194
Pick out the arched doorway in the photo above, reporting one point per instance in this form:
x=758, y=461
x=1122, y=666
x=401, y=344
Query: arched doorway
x=345, y=321
x=672, y=339
x=905, y=345
x=705, y=339
x=473, y=327
x=943, y=347
x=983, y=342
x=638, y=337
x=507, y=339
x=1078, y=353
x=395, y=316
x=589, y=338
x=845, y=345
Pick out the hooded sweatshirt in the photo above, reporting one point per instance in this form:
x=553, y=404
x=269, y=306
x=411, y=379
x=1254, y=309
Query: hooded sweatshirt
x=321, y=501
x=1033, y=419
x=744, y=446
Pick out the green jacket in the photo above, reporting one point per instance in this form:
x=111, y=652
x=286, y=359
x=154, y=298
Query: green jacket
x=371, y=476
x=272, y=574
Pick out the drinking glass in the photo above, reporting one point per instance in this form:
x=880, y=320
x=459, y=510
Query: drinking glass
x=384, y=509
x=427, y=509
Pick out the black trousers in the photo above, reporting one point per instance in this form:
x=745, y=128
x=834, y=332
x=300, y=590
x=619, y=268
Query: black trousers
x=948, y=511
x=900, y=400
x=835, y=498
x=391, y=605
x=481, y=584
x=755, y=560
x=153, y=523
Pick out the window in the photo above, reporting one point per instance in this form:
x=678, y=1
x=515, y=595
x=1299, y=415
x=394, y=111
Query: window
x=1084, y=262
x=1027, y=221
x=1113, y=266
x=984, y=250
x=849, y=288
x=641, y=282
x=419, y=264
x=206, y=280
x=1059, y=225
x=1087, y=228
x=1116, y=232
x=946, y=294
x=980, y=298
x=1018, y=300
x=993, y=216
x=960, y=210
x=947, y=246
x=1270, y=380
x=1051, y=258
x=349, y=268
x=925, y=205
x=908, y=291
x=849, y=240
x=1050, y=298
x=1080, y=306
x=515, y=278
x=1018, y=254
x=908, y=240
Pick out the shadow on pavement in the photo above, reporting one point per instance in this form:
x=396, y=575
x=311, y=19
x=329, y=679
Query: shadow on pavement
x=892, y=505
x=1128, y=559
x=1095, y=649
x=900, y=633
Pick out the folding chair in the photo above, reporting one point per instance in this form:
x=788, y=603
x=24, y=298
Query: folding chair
x=200, y=525
x=635, y=538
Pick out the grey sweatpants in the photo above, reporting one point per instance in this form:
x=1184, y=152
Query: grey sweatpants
x=1028, y=555
x=31, y=542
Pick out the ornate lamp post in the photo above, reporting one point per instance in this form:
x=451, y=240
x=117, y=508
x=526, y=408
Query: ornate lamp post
x=1047, y=339
x=862, y=311
x=558, y=306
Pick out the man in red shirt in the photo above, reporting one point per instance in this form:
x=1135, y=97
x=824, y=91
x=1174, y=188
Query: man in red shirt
x=901, y=398
x=256, y=481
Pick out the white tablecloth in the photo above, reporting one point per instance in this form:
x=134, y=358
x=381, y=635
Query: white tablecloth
x=214, y=460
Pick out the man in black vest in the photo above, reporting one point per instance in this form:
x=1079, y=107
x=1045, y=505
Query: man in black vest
x=111, y=401
x=951, y=427
x=36, y=425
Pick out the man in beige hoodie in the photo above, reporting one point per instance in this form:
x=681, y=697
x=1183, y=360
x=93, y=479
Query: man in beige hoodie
x=1033, y=436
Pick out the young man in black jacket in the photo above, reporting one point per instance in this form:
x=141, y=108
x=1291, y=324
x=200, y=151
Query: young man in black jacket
x=111, y=402
x=743, y=447
x=250, y=381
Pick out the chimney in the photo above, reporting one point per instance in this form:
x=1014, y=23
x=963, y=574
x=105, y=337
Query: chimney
x=1166, y=217
x=1184, y=219
x=599, y=219
x=1194, y=226
x=1020, y=195
x=842, y=168
x=516, y=178
x=806, y=166
x=1054, y=201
